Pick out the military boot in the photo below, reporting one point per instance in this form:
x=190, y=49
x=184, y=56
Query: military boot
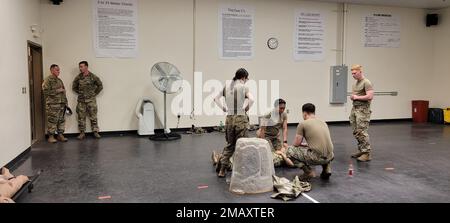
x=365, y=157
x=51, y=139
x=357, y=154
x=218, y=166
x=215, y=157
x=61, y=138
x=81, y=136
x=223, y=172
x=308, y=174
x=96, y=135
x=326, y=171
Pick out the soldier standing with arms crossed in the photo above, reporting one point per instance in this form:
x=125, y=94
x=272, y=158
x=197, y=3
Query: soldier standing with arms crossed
x=87, y=85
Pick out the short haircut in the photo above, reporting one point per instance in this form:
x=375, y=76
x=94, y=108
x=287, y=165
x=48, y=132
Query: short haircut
x=279, y=102
x=309, y=108
x=85, y=63
x=357, y=67
x=53, y=66
x=241, y=73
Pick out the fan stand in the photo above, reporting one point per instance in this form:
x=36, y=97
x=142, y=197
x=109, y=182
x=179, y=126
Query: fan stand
x=165, y=136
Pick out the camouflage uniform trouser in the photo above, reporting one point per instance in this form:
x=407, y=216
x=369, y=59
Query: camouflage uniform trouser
x=55, y=118
x=85, y=109
x=275, y=144
x=277, y=160
x=305, y=157
x=360, y=119
x=236, y=126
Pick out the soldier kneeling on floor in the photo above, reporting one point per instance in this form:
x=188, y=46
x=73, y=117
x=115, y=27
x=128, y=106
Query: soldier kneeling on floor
x=317, y=151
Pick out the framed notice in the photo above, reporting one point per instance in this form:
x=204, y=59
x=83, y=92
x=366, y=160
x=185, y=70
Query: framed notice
x=115, y=28
x=236, y=32
x=309, y=36
x=381, y=30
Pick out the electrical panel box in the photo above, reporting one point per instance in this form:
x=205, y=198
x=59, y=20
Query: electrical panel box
x=339, y=80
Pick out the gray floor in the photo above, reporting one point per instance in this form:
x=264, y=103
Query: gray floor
x=134, y=169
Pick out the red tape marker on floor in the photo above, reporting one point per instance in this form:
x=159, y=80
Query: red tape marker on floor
x=104, y=197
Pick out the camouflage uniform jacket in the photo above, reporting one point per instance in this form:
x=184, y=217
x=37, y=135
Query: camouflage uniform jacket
x=87, y=87
x=50, y=86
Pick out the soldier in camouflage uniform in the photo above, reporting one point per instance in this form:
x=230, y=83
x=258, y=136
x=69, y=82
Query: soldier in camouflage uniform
x=87, y=85
x=271, y=125
x=238, y=101
x=362, y=95
x=318, y=151
x=55, y=104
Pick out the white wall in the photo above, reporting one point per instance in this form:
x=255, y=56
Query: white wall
x=300, y=82
x=440, y=66
x=165, y=34
x=405, y=69
x=401, y=69
x=16, y=17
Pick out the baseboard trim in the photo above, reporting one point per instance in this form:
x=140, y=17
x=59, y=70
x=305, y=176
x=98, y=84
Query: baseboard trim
x=211, y=128
x=371, y=121
x=12, y=165
x=108, y=133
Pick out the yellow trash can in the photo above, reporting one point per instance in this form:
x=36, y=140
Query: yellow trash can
x=447, y=115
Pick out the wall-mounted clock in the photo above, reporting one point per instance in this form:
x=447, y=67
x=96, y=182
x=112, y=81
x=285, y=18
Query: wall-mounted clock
x=272, y=43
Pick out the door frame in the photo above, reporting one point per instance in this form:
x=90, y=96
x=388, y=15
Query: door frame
x=37, y=132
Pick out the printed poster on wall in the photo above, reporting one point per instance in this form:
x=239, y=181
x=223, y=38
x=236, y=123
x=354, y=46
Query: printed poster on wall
x=115, y=28
x=236, y=32
x=381, y=30
x=309, y=36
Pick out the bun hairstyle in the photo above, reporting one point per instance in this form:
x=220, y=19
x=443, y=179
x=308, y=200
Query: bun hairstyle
x=279, y=102
x=241, y=73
